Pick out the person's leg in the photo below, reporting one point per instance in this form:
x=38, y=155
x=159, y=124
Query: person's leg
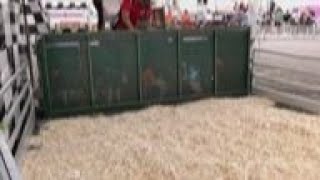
x=99, y=8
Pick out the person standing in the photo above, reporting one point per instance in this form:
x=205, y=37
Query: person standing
x=186, y=20
x=286, y=19
x=169, y=19
x=134, y=14
x=99, y=7
x=278, y=19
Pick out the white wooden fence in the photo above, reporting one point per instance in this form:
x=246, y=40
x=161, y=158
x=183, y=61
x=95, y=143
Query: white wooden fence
x=287, y=73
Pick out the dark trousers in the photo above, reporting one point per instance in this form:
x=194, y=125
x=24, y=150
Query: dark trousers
x=99, y=8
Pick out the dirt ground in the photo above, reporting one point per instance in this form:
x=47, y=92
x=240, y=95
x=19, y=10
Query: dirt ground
x=246, y=138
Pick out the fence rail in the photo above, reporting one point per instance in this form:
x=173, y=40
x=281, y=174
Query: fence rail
x=19, y=118
x=8, y=166
x=290, y=99
x=275, y=80
x=288, y=32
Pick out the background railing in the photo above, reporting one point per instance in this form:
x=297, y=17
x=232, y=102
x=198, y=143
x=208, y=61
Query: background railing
x=288, y=78
x=288, y=32
x=8, y=166
x=18, y=117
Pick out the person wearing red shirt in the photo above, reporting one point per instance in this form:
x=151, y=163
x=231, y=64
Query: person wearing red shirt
x=169, y=19
x=186, y=20
x=133, y=14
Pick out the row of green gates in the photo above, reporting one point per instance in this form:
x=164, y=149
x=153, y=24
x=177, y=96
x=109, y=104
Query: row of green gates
x=88, y=72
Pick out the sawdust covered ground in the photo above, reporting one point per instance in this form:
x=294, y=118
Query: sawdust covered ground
x=246, y=138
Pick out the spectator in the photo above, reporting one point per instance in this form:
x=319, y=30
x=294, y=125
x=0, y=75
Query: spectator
x=228, y=19
x=241, y=15
x=169, y=19
x=312, y=16
x=235, y=7
x=303, y=19
x=309, y=20
x=272, y=9
x=134, y=14
x=186, y=19
x=208, y=16
x=200, y=16
x=278, y=18
x=295, y=17
x=287, y=17
x=99, y=8
x=204, y=16
x=243, y=8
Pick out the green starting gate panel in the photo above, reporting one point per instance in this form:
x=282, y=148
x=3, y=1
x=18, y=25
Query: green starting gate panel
x=158, y=66
x=196, y=60
x=114, y=68
x=65, y=77
x=84, y=72
x=232, y=58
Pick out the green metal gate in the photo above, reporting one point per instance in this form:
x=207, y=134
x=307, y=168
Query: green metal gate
x=231, y=65
x=158, y=66
x=196, y=59
x=65, y=73
x=89, y=72
x=114, y=68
